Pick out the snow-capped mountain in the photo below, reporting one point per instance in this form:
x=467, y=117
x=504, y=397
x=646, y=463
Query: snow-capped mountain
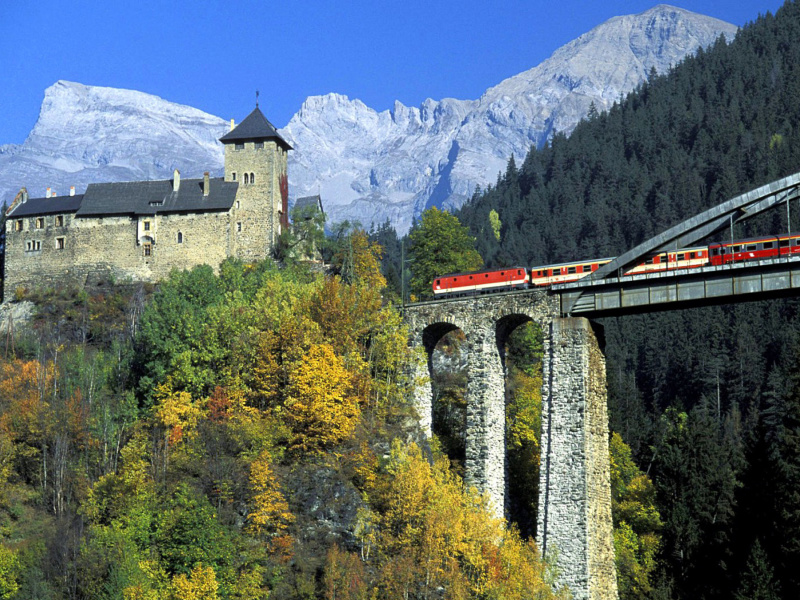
x=367, y=165
x=88, y=134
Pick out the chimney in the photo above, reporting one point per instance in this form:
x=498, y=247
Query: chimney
x=176, y=180
x=231, y=124
x=206, y=184
x=47, y=193
x=53, y=194
x=24, y=192
x=72, y=190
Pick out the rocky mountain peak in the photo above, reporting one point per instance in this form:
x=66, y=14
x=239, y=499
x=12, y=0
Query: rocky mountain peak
x=368, y=165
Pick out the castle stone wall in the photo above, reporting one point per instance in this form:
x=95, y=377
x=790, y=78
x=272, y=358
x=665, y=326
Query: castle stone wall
x=111, y=247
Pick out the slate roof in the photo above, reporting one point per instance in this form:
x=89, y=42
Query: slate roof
x=309, y=201
x=254, y=127
x=46, y=206
x=151, y=197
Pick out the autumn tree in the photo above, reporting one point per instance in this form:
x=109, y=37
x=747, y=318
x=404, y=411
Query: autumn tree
x=439, y=244
x=269, y=511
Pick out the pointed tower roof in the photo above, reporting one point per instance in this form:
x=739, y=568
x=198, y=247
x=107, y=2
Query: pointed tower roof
x=254, y=127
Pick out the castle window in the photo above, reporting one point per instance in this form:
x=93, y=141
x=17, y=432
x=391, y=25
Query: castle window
x=239, y=226
x=258, y=145
x=180, y=237
x=246, y=178
x=237, y=204
x=59, y=220
x=240, y=146
x=40, y=223
x=60, y=243
x=146, y=225
x=18, y=225
x=33, y=246
x=252, y=177
x=28, y=246
x=233, y=175
x=148, y=249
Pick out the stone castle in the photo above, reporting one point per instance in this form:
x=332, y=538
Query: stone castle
x=141, y=230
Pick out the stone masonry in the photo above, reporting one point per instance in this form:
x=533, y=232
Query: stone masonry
x=575, y=528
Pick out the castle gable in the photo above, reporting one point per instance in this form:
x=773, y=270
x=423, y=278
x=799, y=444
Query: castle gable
x=150, y=197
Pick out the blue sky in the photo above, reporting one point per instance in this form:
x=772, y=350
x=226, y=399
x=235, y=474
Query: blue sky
x=213, y=55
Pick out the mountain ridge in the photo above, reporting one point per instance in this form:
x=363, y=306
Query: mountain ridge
x=367, y=165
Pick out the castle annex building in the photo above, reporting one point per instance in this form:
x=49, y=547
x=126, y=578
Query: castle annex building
x=140, y=230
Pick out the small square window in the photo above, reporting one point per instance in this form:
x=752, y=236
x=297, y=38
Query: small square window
x=18, y=225
x=60, y=242
x=258, y=145
x=240, y=146
x=146, y=225
x=40, y=223
x=59, y=220
x=148, y=249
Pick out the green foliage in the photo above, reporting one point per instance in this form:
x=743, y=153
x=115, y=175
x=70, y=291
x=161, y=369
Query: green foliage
x=9, y=573
x=636, y=523
x=439, y=244
x=305, y=237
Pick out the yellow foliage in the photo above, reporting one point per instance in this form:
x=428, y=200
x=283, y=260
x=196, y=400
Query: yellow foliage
x=319, y=406
x=367, y=261
x=200, y=585
x=176, y=412
x=269, y=511
x=430, y=534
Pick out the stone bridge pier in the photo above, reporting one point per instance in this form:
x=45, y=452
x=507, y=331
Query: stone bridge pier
x=574, y=526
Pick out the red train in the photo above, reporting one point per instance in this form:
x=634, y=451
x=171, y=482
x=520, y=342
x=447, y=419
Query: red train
x=513, y=278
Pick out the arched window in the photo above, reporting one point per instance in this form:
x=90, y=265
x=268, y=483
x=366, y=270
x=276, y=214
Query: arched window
x=252, y=177
x=246, y=178
x=180, y=237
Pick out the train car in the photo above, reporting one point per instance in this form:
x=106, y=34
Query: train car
x=722, y=253
x=561, y=273
x=788, y=244
x=481, y=282
x=686, y=258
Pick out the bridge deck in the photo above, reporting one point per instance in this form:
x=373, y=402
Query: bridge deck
x=752, y=280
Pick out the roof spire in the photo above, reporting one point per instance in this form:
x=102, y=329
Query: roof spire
x=256, y=98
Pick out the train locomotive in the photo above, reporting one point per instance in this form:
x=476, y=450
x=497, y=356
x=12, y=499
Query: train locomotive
x=489, y=281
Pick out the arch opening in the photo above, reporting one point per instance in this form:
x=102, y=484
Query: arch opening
x=521, y=342
x=446, y=348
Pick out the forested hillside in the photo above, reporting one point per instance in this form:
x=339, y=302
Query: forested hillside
x=708, y=399
x=241, y=435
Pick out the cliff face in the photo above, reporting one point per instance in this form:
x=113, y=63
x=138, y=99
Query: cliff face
x=367, y=165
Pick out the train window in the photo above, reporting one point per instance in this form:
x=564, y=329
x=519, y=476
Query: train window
x=502, y=273
x=519, y=271
x=768, y=245
x=692, y=255
x=486, y=275
x=751, y=247
x=587, y=268
x=470, y=276
x=737, y=248
x=796, y=242
x=784, y=243
x=681, y=256
x=572, y=270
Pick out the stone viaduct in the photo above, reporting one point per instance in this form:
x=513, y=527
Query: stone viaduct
x=574, y=524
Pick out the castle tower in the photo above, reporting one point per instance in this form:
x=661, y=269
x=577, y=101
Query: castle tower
x=256, y=158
